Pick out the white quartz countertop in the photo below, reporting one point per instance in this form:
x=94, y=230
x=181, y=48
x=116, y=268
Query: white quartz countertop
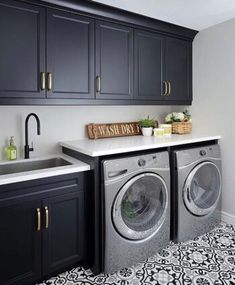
x=110, y=146
x=75, y=166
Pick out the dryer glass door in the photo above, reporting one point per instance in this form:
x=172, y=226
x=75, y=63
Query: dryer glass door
x=202, y=189
x=140, y=206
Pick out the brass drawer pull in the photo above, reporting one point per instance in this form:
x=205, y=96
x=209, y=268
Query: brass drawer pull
x=169, y=88
x=49, y=81
x=38, y=219
x=43, y=80
x=165, y=88
x=47, y=217
x=98, y=87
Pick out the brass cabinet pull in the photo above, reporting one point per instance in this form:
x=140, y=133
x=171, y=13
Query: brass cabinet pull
x=165, y=88
x=43, y=80
x=98, y=84
x=47, y=217
x=38, y=219
x=49, y=81
x=169, y=88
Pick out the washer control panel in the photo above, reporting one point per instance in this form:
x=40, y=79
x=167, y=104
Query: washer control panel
x=155, y=160
x=141, y=162
x=202, y=152
x=115, y=169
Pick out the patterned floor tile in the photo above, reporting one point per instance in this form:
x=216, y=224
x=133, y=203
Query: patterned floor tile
x=206, y=260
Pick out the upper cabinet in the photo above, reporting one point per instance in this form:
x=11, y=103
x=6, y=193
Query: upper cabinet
x=149, y=65
x=91, y=54
x=114, y=61
x=163, y=68
x=70, y=55
x=178, y=70
x=22, y=50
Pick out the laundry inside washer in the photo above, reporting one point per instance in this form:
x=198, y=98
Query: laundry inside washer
x=137, y=208
x=142, y=205
x=196, y=191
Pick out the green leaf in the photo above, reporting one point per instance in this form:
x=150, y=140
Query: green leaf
x=147, y=123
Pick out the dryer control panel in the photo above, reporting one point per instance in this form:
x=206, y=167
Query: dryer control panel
x=187, y=156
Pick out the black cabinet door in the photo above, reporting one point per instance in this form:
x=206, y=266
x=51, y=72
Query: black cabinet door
x=179, y=69
x=20, y=242
x=70, y=55
x=149, y=65
x=114, y=61
x=63, y=242
x=22, y=49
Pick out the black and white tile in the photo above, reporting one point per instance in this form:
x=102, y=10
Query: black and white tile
x=208, y=259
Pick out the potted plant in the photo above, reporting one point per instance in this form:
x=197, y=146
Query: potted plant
x=147, y=126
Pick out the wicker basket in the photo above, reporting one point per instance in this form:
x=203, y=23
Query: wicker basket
x=181, y=128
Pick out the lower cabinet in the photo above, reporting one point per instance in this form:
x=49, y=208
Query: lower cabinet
x=43, y=235
x=20, y=243
x=63, y=231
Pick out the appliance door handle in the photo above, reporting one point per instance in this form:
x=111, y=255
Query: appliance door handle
x=112, y=174
x=188, y=195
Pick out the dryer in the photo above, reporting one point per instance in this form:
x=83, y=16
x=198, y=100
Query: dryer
x=137, y=208
x=196, y=191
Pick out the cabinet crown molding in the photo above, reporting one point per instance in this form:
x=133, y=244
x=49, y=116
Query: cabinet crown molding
x=116, y=14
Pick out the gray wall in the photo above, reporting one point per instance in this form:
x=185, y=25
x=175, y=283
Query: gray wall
x=213, y=108
x=64, y=123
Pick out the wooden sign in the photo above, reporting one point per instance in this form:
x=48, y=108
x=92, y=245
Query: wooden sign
x=97, y=131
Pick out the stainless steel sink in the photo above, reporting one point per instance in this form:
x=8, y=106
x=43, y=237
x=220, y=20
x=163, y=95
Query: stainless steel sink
x=28, y=165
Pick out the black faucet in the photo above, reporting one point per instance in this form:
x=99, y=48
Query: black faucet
x=27, y=149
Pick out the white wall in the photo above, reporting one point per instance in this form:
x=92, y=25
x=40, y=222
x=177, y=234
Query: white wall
x=214, y=96
x=64, y=123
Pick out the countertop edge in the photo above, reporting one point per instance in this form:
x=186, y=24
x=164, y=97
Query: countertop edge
x=138, y=148
x=77, y=166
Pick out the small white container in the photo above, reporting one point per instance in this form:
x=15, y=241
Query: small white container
x=167, y=129
x=158, y=132
x=147, y=132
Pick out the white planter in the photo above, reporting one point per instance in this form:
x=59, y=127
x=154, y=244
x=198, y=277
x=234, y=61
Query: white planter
x=147, y=132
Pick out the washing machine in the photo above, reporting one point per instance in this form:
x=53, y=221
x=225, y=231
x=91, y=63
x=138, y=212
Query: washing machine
x=196, y=191
x=137, y=208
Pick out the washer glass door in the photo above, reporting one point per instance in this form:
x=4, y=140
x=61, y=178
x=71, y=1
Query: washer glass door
x=202, y=189
x=140, y=206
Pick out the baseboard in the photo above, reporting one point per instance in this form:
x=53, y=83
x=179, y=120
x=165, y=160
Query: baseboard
x=227, y=218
